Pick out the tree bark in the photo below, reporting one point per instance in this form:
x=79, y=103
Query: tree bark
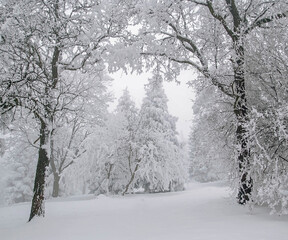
x=37, y=208
x=242, y=116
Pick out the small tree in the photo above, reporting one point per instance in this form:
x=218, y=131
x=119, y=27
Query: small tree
x=115, y=156
x=108, y=170
x=74, y=124
x=126, y=107
x=18, y=157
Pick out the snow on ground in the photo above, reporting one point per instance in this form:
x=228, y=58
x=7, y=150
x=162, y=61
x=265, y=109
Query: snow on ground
x=203, y=211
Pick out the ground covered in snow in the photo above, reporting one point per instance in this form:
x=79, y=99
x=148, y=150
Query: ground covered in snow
x=203, y=211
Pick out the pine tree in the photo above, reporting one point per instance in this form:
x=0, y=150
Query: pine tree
x=114, y=164
x=18, y=159
x=128, y=150
x=161, y=166
x=127, y=107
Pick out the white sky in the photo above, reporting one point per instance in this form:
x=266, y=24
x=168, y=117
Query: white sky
x=180, y=96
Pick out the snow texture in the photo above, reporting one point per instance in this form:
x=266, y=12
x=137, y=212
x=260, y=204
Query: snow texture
x=202, y=212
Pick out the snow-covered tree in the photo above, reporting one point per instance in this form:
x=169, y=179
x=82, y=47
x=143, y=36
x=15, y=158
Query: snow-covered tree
x=137, y=150
x=266, y=91
x=212, y=38
x=115, y=154
x=128, y=152
x=211, y=139
x=104, y=157
x=161, y=164
x=74, y=125
x=267, y=69
x=19, y=160
x=21, y=168
x=40, y=42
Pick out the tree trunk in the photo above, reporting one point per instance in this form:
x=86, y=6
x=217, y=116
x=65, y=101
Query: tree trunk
x=37, y=208
x=131, y=179
x=55, y=192
x=243, y=148
x=56, y=173
x=242, y=134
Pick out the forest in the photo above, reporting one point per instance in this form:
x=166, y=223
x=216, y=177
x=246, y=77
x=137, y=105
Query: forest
x=58, y=139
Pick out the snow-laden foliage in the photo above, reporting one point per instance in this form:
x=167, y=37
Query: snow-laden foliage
x=137, y=151
x=161, y=163
x=111, y=149
x=210, y=142
x=240, y=47
x=266, y=91
x=114, y=149
x=111, y=154
x=229, y=43
x=20, y=162
x=42, y=41
x=88, y=108
x=20, y=143
x=270, y=163
x=267, y=69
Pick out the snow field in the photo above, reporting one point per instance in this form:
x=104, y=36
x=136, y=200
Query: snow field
x=202, y=212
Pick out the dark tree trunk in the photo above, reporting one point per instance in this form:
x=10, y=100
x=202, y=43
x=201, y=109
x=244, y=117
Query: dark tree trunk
x=242, y=135
x=243, y=148
x=37, y=208
x=237, y=35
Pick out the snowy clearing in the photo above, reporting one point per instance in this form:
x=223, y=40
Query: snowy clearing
x=203, y=211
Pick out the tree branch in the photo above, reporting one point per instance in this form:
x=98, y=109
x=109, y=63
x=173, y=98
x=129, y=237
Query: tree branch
x=235, y=13
x=221, y=20
x=283, y=158
x=197, y=2
x=263, y=21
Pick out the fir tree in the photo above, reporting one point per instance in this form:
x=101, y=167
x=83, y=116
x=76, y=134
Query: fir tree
x=115, y=156
x=162, y=166
x=129, y=147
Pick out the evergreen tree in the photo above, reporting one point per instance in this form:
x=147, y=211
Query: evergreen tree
x=129, y=146
x=18, y=159
x=115, y=157
x=127, y=107
x=161, y=166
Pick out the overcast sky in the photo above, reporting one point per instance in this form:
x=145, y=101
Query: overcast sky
x=180, y=96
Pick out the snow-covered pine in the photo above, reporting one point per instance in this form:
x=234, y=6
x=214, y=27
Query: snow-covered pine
x=19, y=159
x=114, y=150
x=162, y=166
x=129, y=150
